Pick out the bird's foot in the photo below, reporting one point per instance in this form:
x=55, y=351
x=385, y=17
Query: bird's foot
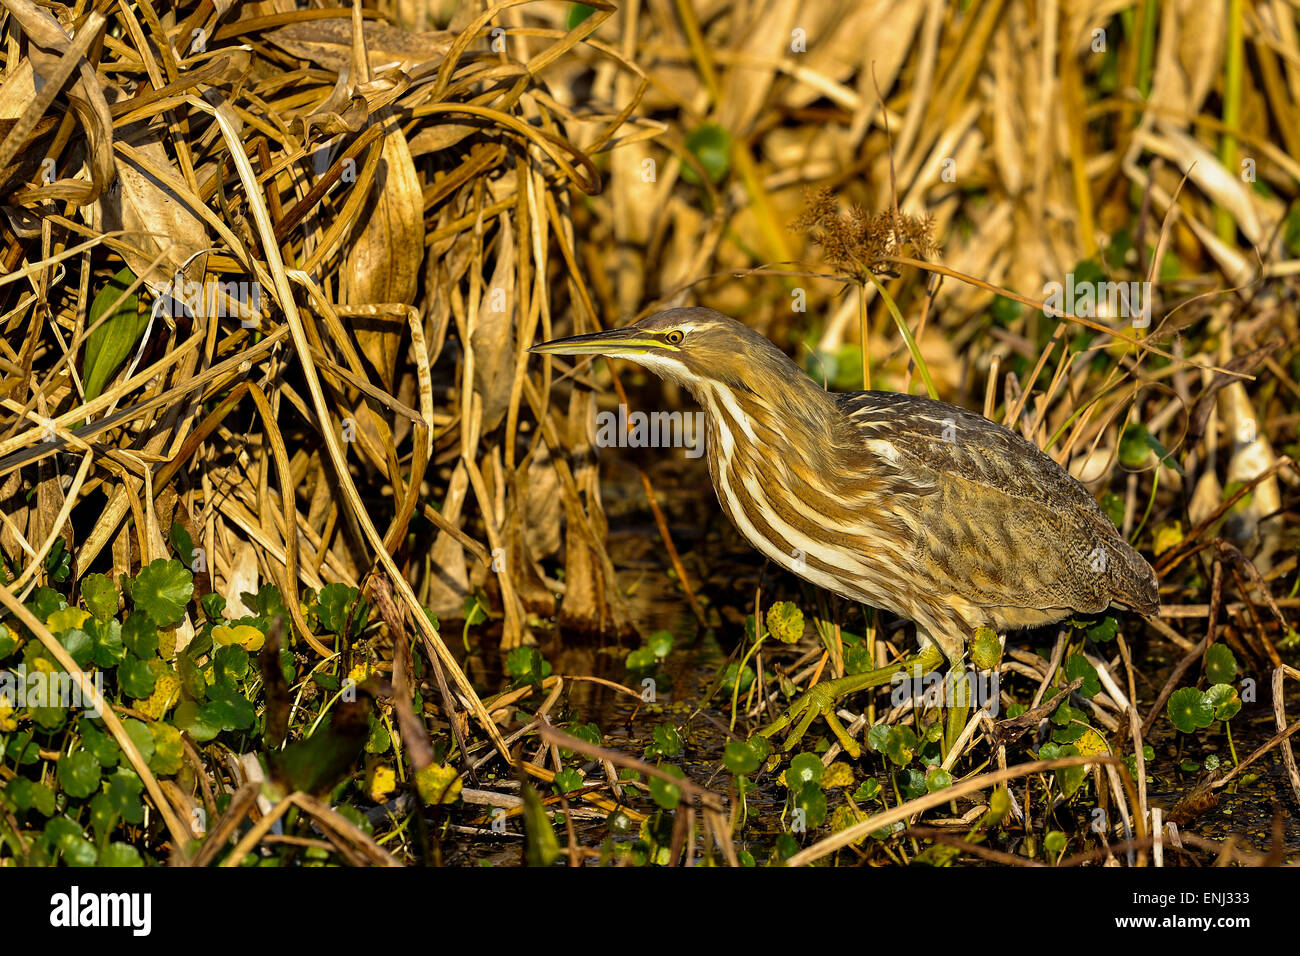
x=819, y=700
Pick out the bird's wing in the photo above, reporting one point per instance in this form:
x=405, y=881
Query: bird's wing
x=949, y=441
x=1008, y=527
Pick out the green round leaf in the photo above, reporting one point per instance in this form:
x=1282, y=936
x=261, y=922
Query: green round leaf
x=900, y=745
x=107, y=636
x=1076, y=665
x=120, y=854
x=1188, y=709
x=1133, y=448
x=811, y=799
x=857, y=659
x=527, y=665
x=1220, y=664
x=877, y=737
x=729, y=679
x=100, y=744
x=711, y=145
x=667, y=740
x=79, y=774
x=641, y=659
x=77, y=851
x=585, y=732
x=136, y=677
x=1104, y=630
x=168, y=750
x=936, y=778
x=333, y=604
x=80, y=645
x=660, y=643
x=226, y=709
x=868, y=790
x=162, y=590
x=140, y=634
x=805, y=768
x=911, y=783
x=100, y=595
x=568, y=780
x=379, y=739
x=230, y=662
x=139, y=733
x=190, y=718
x=666, y=794
x=1223, y=700
x=740, y=758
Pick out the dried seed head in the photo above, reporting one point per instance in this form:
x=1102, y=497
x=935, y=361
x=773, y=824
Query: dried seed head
x=861, y=241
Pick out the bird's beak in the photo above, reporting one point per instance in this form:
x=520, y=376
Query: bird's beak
x=629, y=341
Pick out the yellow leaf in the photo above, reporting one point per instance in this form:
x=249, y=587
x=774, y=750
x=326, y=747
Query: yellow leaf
x=843, y=817
x=1091, y=744
x=838, y=774
x=380, y=782
x=66, y=619
x=438, y=783
x=245, y=635
x=360, y=672
x=1168, y=535
x=166, y=692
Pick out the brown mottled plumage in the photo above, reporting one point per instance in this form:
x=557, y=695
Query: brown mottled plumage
x=904, y=503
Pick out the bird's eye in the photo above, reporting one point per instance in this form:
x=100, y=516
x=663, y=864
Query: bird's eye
x=674, y=337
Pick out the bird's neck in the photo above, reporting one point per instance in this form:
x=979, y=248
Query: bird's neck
x=782, y=418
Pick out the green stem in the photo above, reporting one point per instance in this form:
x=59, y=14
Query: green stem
x=1155, y=483
x=1146, y=50
x=906, y=333
x=864, y=336
x=740, y=669
x=957, y=713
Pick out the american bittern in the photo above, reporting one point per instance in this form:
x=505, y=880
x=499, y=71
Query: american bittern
x=900, y=502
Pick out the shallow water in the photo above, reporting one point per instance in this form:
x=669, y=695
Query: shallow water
x=733, y=570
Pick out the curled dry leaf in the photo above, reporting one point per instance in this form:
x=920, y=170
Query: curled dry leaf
x=383, y=260
x=494, y=331
x=149, y=204
x=328, y=43
x=448, y=582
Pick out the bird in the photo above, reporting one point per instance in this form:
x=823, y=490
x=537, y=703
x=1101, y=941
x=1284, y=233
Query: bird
x=897, y=501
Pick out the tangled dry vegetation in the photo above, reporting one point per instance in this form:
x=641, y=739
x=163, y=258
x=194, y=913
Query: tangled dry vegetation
x=267, y=278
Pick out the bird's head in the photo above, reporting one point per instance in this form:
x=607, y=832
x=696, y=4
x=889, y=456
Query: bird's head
x=694, y=347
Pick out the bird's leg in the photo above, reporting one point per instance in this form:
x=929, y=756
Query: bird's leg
x=957, y=700
x=819, y=700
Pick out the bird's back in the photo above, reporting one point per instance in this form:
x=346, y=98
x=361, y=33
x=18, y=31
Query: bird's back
x=997, y=524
